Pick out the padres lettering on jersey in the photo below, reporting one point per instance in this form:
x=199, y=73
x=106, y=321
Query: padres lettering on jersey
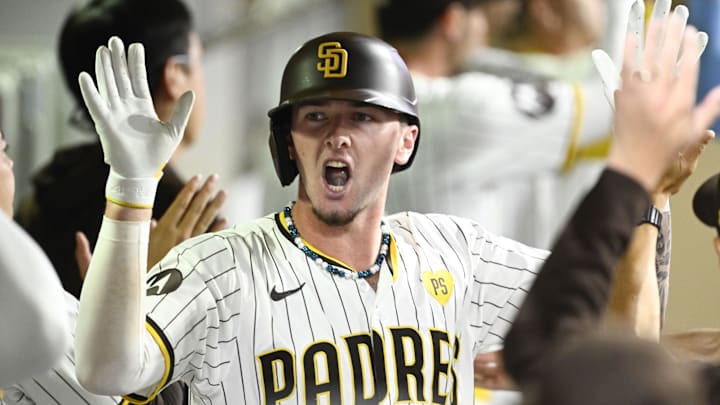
x=244, y=316
x=369, y=375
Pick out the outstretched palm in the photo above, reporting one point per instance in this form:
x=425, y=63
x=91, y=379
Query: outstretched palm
x=135, y=142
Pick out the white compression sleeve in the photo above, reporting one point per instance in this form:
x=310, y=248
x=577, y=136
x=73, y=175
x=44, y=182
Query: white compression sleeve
x=33, y=323
x=111, y=343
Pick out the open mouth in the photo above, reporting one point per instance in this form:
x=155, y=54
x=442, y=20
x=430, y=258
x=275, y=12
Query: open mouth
x=337, y=175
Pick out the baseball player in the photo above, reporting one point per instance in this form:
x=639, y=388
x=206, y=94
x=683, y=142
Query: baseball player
x=273, y=311
x=325, y=301
x=497, y=140
x=34, y=329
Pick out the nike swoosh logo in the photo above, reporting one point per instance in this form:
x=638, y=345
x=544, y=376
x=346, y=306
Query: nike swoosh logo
x=279, y=295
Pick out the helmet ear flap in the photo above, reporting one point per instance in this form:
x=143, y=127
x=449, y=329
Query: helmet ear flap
x=279, y=142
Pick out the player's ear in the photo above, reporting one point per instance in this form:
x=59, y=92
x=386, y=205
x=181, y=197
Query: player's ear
x=175, y=78
x=406, y=143
x=717, y=245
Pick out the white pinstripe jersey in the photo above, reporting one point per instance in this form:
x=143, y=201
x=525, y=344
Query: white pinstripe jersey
x=59, y=385
x=484, y=137
x=247, y=318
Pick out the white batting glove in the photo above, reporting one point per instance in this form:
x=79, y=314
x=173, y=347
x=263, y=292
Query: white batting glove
x=610, y=71
x=136, y=144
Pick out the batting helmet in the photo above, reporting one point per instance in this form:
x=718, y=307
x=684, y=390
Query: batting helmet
x=344, y=66
x=706, y=202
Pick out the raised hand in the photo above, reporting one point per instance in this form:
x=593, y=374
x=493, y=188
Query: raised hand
x=655, y=116
x=683, y=166
x=135, y=142
x=609, y=70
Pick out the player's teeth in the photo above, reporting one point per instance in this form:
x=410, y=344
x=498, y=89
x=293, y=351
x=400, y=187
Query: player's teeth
x=336, y=189
x=336, y=164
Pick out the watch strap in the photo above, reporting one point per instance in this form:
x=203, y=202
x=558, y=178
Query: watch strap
x=652, y=216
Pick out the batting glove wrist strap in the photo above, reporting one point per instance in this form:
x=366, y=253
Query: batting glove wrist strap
x=134, y=193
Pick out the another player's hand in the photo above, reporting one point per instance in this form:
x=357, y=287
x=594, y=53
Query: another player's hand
x=609, y=70
x=135, y=142
x=656, y=117
x=193, y=212
x=683, y=166
x=490, y=372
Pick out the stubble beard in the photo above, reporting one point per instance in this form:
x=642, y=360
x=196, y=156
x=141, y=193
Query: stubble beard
x=335, y=218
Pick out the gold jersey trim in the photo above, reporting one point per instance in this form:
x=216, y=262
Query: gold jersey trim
x=166, y=350
x=575, y=128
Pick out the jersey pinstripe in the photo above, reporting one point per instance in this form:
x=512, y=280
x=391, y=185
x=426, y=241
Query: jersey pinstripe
x=59, y=385
x=249, y=319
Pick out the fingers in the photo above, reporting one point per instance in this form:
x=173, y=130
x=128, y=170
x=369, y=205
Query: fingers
x=106, y=76
x=198, y=206
x=219, y=224
x=208, y=215
x=194, y=210
x=93, y=101
x=138, y=73
x=693, y=152
x=655, y=34
x=609, y=77
x=707, y=112
x=702, y=40
x=636, y=29
x=689, y=70
x=177, y=209
x=181, y=113
x=82, y=253
x=120, y=68
x=628, y=67
x=674, y=37
x=119, y=76
x=115, y=79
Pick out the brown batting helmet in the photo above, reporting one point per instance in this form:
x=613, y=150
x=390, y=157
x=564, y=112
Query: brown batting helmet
x=343, y=66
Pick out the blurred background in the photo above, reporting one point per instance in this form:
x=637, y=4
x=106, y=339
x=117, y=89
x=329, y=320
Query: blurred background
x=247, y=43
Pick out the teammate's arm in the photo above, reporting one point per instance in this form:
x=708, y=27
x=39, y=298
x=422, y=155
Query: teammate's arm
x=640, y=289
x=33, y=325
x=571, y=292
x=115, y=354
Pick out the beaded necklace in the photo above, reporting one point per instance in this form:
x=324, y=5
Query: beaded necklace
x=384, y=247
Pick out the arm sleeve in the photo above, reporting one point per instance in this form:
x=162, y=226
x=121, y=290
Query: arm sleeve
x=111, y=344
x=34, y=329
x=136, y=336
x=572, y=289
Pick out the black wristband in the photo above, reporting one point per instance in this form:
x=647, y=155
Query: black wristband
x=652, y=216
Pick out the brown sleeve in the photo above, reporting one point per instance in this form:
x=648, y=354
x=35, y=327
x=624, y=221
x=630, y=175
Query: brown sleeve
x=571, y=292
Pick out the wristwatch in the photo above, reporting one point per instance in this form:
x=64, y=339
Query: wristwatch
x=652, y=216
